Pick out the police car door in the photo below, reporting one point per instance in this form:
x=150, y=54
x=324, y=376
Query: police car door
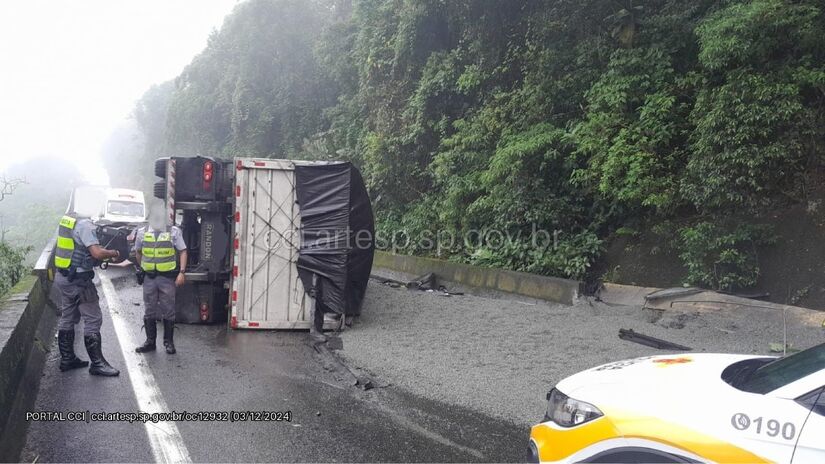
x=766, y=425
x=810, y=448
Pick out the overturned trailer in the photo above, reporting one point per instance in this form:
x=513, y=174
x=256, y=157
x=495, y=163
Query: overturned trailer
x=269, y=238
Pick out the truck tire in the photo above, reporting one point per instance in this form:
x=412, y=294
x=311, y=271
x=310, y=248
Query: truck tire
x=160, y=167
x=160, y=189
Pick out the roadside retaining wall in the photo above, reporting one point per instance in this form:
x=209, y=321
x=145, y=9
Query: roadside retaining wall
x=554, y=289
x=27, y=324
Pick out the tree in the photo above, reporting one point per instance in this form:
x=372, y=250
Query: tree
x=9, y=185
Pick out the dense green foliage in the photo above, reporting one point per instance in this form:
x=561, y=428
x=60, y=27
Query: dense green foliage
x=12, y=266
x=524, y=118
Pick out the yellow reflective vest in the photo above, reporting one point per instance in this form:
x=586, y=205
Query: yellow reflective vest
x=65, y=243
x=158, y=254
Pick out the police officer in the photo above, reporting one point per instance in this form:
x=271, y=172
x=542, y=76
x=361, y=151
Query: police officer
x=161, y=254
x=78, y=251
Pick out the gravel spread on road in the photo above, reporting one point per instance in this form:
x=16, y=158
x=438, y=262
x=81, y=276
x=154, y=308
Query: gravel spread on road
x=500, y=356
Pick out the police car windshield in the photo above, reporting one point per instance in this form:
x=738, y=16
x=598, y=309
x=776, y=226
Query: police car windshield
x=783, y=371
x=125, y=208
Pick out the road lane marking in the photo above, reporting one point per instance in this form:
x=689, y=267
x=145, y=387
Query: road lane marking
x=164, y=437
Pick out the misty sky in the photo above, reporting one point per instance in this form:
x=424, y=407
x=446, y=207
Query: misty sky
x=72, y=70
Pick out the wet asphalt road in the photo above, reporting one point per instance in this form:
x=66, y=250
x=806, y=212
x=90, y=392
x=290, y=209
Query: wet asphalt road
x=217, y=369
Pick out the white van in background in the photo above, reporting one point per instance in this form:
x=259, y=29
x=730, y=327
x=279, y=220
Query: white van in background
x=113, y=205
x=124, y=206
x=119, y=213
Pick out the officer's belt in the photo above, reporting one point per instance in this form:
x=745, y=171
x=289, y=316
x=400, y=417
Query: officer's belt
x=169, y=275
x=86, y=275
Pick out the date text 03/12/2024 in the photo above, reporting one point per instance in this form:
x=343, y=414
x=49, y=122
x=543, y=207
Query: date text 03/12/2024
x=183, y=416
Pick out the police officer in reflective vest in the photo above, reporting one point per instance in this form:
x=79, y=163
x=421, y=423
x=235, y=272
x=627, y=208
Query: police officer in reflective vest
x=78, y=251
x=161, y=254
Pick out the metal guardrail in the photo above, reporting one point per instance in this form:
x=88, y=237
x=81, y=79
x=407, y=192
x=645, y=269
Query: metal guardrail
x=44, y=267
x=44, y=270
x=45, y=259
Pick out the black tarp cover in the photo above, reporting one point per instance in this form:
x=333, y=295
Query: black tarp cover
x=337, y=234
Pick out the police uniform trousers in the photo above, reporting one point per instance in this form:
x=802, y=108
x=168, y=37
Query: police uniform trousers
x=159, y=297
x=79, y=299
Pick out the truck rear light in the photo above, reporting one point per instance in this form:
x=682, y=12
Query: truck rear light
x=204, y=311
x=208, y=168
x=234, y=322
x=235, y=271
x=254, y=324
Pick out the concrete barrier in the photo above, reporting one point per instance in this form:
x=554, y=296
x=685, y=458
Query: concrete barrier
x=27, y=324
x=554, y=289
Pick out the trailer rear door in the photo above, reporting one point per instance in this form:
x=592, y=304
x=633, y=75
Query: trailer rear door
x=266, y=290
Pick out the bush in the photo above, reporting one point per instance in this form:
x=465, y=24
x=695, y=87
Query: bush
x=12, y=265
x=569, y=257
x=722, y=257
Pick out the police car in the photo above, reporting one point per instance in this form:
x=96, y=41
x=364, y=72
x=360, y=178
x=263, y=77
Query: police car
x=689, y=408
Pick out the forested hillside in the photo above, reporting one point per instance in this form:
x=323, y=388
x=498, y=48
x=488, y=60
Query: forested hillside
x=684, y=124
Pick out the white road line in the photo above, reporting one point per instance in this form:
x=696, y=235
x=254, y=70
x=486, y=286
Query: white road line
x=164, y=437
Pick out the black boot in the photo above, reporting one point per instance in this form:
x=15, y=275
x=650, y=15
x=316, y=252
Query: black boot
x=65, y=342
x=169, y=336
x=151, y=335
x=99, y=364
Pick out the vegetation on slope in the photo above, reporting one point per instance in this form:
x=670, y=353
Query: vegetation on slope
x=524, y=134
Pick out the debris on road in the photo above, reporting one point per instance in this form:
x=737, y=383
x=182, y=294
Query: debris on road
x=426, y=283
x=668, y=293
x=750, y=296
x=388, y=282
x=642, y=339
x=331, y=362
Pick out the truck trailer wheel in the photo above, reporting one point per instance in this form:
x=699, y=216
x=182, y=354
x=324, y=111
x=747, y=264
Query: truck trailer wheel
x=160, y=189
x=160, y=167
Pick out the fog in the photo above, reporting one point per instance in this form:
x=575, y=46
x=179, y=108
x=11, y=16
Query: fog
x=72, y=71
